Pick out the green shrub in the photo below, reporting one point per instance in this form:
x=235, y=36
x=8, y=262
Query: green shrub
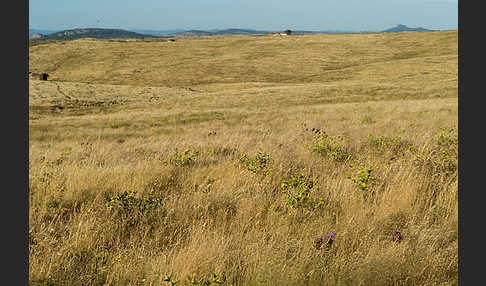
x=257, y=164
x=187, y=158
x=331, y=147
x=441, y=158
x=130, y=208
x=299, y=194
x=362, y=178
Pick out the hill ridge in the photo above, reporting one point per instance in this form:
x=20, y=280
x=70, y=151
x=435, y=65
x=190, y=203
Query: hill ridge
x=98, y=33
x=110, y=33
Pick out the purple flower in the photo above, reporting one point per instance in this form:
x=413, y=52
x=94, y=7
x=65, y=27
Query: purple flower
x=330, y=240
x=318, y=242
x=397, y=236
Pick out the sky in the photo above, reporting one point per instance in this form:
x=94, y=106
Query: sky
x=313, y=15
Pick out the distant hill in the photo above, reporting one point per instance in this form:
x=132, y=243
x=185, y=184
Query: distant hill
x=193, y=33
x=239, y=32
x=40, y=32
x=157, y=32
x=37, y=36
x=231, y=31
x=101, y=33
x=234, y=31
x=322, y=32
x=403, y=28
x=97, y=33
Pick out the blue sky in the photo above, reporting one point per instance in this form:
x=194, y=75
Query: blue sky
x=355, y=15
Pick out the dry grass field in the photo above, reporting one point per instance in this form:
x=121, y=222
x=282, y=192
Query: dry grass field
x=220, y=160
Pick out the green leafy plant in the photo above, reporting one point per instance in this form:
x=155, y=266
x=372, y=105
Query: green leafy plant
x=441, y=157
x=257, y=164
x=213, y=279
x=363, y=178
x=298, y=192
x=186, y=158
x=63, y=156
x=391, y=145
x=171, y=281
x=331, y=147
x=205, y=188
x=129, y=208
x=192, y=280
x=447, y=143
x=218, y=280
x=49, y=281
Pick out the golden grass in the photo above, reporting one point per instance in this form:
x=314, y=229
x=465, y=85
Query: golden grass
x=116, y=114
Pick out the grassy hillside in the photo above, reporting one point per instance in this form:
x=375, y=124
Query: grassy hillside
x=224, y=158
x=415, y=58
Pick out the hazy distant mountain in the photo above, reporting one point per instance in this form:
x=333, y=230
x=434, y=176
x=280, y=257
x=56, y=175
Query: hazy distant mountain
x=321, y=32
x=157, y=32
x=231, y=31
x=97, y=33
x=193, y=33
x=403, y=28
x=37, y=36
x=40, y=32
x=101, y=33
x=234, y=31
x=139, y=33
x=239, y=32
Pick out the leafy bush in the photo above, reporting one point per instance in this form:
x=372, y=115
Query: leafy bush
x=331, y=147
x=130, y=208
x=298, y=192
x=442, y=157
x=257, y=164
x=389, y=146
x=183, y=159
x=362, y=178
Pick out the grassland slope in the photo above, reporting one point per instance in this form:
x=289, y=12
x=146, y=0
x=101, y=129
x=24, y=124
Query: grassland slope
x=219, y=161
x=251, y=59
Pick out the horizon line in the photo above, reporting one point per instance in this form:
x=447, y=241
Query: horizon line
x=237, y=28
